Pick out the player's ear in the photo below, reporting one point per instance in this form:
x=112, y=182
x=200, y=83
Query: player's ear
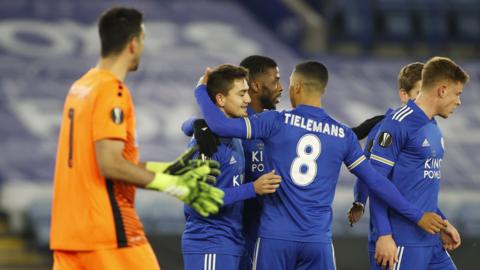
x=133, y=45
x=220, y=99
x=298, y=87
x=403, y=95
x=254, y=86
x=442, y=90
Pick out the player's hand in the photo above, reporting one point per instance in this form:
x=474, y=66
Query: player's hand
x=204, y=78
x=208, y=201
x=450, y=237
x=179, y=165
x=214, y=166
x=175, y=166
x=190, y=188
x=366, y=126
x=386, y=252
x=156, y=166
x=207, y=141
x=183, y=163
x=211, y=178
x=267, y=183
x=431, y=223
x=355, y=213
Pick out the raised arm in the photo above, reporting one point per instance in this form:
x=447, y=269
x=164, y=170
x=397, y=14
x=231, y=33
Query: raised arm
x=216, y=119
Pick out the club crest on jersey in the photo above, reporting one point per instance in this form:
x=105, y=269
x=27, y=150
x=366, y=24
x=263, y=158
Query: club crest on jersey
x=117, y=115
x=260, y=146
x=385, y=139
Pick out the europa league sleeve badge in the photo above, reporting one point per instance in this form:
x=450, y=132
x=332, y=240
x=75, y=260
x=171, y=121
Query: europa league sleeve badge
x=117, y=115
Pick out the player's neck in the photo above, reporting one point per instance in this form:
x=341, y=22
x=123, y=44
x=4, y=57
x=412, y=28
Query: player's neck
x=224, y=112
x=115, y=65
x=310, y=101
x=426, y=104
x=256, y=105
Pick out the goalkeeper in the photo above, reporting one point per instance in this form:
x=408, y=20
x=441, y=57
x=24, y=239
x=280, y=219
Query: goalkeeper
x=94, y=223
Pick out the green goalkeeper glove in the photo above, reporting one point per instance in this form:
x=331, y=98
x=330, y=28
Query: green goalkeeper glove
x=183, y=164
x=157, y=167
x=175, y=167
x=208, y=201
x=189, y=188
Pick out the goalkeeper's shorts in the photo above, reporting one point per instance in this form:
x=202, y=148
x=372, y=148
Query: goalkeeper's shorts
x=138, y=257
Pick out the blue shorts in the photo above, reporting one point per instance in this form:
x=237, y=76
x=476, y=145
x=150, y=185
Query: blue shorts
x=210, y=261
x=418, y=258
x=247, y=259
x=292, y=255
x=246, y=262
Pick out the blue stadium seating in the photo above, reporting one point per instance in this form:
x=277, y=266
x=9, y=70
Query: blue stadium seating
x=37, y=218
x=351, y=20
x=395, y=20
x=466, y=20
x=432, y=19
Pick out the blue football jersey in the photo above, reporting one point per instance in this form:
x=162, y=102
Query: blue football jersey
x=254, y=156
x=360, y=190
x=220, y=233
x=306, y=147
x=255, y=167
x=409, y=150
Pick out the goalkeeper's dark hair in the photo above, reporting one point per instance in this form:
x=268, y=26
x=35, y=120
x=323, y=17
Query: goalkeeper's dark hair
x=257, y=64
x=313, y=73
x=118, y=26
x=409, y=75
x=221, y=79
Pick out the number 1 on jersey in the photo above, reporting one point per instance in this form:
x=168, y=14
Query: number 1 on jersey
x=304, y=167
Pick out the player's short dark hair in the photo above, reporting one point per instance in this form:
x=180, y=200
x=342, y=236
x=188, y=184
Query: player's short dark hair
x=117, y=26
x=409, y=75
x=221, y=79
x=313, y=71
x=442, y=68
x=257, y=64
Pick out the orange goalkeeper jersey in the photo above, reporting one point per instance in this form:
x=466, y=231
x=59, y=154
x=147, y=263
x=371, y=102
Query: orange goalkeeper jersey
x=90, y=212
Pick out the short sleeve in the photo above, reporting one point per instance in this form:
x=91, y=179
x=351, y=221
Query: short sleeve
x=110, y=111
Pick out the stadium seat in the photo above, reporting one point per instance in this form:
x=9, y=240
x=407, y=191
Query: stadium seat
x=395, y=21
x=466, y=20
x=431, y=17
x=351, y=20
